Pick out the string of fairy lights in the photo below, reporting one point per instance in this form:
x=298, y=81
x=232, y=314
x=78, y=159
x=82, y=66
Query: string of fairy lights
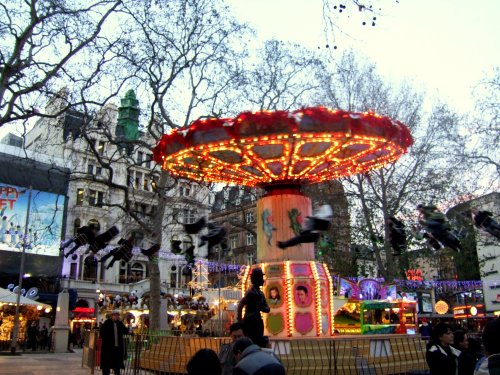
x=308, y=145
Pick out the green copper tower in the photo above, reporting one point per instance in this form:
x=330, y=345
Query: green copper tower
x=128, y=117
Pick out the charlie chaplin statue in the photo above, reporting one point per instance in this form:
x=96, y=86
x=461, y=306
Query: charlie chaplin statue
x=254, y=302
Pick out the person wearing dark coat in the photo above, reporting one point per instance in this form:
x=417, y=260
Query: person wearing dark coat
x=112, y=345
x=466, y=359
x=255, y=302
x=252, y=360
x=441, y=357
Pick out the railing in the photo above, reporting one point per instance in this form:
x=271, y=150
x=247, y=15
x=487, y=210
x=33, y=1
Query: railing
x=159, y=353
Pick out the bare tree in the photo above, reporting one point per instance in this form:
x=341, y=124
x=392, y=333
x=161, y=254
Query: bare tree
x=421, y=176
x=475, y=145
x=281, y=77
x=39, y=40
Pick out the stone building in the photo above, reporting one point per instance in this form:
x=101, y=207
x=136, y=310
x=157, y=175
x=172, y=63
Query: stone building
x=114, y=182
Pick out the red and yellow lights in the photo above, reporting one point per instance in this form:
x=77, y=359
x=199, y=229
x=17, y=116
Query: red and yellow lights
x=317, y=294
x=289, y=299
x=310, y=145
x=330, y=294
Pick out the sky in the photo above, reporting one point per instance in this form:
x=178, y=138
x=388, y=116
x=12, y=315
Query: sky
x=444, y=47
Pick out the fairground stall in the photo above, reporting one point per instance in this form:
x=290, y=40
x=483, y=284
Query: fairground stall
x=30, y=312
x=374, y=308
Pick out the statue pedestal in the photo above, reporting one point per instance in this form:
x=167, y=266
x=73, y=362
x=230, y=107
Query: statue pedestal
x=61, y=327
x=60, y=337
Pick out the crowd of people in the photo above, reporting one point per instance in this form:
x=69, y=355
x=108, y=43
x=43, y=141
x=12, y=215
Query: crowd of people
x=38, y=337
x=453, y=352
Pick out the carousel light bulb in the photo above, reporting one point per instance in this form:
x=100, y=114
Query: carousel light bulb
x=39, y=307
x=47, y=310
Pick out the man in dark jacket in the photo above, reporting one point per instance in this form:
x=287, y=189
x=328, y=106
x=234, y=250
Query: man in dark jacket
x=253, y=361
x=112, y=345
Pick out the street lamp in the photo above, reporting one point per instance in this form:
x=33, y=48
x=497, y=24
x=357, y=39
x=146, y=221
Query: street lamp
x=15, y=333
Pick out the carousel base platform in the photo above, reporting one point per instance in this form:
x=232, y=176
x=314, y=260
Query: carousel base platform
x=366, y=354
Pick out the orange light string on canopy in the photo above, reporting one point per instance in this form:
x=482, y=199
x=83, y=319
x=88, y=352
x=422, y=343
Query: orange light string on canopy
x=309, y=145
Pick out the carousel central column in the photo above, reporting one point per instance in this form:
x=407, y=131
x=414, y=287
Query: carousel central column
x=297, y=288
x=280, y=215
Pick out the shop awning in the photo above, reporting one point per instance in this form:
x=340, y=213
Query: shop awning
x=6, y=296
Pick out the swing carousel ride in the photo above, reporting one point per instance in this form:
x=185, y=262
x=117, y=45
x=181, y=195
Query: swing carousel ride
x=279, y=152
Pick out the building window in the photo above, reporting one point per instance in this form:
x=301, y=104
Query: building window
x=250, y=239
x=92, y=198
x=187, y=241
x=250, y=218
x=233, y=241
x=145, y=184
x=90, y=268
x=77, y=224
x=96, y=198
x=138, y=238
x=140, y=156
x=100, y=199
x=184, y=191
x=136, y=272
x=79, y=196
x=98, y=171
x=72, y=270
x=250, y=259
x=188, y=216
x=123, y=272
x=149, y=157
x=173, y=280
x=130, y=180
x=138, y=179
x=90, y=169
x=100, y=147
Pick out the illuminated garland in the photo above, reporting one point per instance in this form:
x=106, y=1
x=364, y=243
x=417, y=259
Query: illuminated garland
x=440, y=286
x=330, y=291
x=317, y=294
x=307, y=145
x=289, y=298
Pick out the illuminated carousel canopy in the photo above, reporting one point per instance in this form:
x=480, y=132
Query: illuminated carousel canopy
x=262, y=148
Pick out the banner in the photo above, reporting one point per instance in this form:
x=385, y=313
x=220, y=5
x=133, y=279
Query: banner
x=45, y=222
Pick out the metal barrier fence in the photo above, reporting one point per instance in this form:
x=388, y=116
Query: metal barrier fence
x=156, y=353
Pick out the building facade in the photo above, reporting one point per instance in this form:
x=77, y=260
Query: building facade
x=114, y=182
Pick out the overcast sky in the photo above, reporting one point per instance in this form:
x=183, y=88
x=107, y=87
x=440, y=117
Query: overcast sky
x=444, y=46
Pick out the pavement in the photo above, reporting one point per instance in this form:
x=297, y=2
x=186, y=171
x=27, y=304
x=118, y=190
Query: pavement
x=44, y=363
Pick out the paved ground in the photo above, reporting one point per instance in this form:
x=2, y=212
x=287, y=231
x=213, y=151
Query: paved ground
x=29, y=363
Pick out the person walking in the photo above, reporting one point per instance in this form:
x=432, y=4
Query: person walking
x=442, y=358
x=112, y=345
